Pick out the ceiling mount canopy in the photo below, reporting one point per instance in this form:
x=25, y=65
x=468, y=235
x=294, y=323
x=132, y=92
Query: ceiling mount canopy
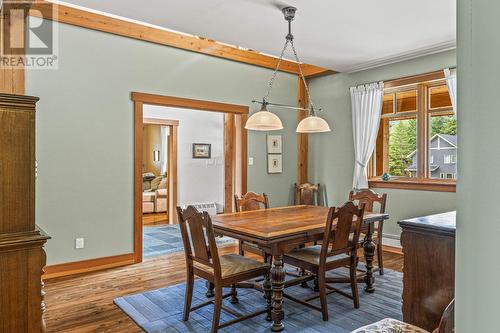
x=265, y=120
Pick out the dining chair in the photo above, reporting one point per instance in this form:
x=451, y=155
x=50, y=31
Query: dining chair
x=447, y=322
x=203, y=260
x=307, y=194
x=339, y=249
x=251, y=201
x=369, y=198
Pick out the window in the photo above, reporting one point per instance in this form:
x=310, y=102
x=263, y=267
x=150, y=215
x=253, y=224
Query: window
x=402, y=147
x=417, y=140
x=450, y=159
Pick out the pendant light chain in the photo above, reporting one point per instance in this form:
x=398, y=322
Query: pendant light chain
x=264, y=120
x=303, y=77
x=289, y=40
x=271, y=82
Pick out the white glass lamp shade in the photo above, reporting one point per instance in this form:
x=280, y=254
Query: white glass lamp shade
x=313, y=124
x=264, y=121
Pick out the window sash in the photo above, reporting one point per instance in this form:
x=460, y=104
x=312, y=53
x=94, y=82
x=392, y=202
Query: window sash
x=423, y=115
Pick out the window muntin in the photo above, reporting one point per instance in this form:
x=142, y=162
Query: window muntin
x=427, y=106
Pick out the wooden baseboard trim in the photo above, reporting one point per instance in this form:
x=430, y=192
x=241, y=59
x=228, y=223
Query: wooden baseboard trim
x=85, y=266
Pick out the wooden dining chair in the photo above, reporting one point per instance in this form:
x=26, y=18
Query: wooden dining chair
x=251, y=201
x=203, y=260
x=369, y=198
x=447, y=322
x=307, y=194
x=338, y=249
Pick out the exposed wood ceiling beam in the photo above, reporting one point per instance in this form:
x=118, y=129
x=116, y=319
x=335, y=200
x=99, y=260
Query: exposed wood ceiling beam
x=99, y=22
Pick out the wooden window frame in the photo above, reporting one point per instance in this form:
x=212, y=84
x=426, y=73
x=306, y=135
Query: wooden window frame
x=379, y=162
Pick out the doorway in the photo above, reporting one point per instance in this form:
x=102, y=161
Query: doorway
x=159, y=171
x=234, y=151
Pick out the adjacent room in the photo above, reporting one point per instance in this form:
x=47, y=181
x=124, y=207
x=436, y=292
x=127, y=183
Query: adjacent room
x=189, y=146
x=252, y=166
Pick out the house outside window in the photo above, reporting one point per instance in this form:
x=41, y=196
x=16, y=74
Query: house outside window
x=411, y=113
x=450, y=159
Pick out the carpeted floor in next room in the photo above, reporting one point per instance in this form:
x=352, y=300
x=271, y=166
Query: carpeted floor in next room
x=166, y=238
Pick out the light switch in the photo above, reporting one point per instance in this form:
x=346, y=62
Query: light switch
x=79, y=243
x=250, y=161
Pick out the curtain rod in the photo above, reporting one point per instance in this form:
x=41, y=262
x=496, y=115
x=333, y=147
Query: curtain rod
x=406, y=77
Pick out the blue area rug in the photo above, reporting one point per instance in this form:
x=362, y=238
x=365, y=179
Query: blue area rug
x=164, y=239
x=161, y=310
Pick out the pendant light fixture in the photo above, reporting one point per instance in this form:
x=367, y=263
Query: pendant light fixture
x=265, y=120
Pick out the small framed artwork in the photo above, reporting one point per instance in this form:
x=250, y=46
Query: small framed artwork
x=202, y=150
x=274, y=163
x=274, y=144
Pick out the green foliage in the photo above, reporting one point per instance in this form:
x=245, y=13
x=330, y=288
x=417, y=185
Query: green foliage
x=443, y=125
x=402, y=141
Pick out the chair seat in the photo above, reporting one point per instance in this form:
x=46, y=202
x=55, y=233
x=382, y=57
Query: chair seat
x=389, y=325
x=234, y=264
x=311, y=255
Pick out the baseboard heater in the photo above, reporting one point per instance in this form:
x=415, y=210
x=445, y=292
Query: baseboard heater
x=210, y=208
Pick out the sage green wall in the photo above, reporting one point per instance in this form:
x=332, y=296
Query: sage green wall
x=478, y=224
x=85, y=132
x=331, y=154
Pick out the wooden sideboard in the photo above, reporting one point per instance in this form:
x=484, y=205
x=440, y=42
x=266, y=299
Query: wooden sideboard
x=22, y=257
x=429, y=268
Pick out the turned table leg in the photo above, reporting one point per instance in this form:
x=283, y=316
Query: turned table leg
x=268, y=293
x=369, y=251
x=278, y=282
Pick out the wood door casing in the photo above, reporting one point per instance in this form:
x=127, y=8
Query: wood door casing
x=235, y=115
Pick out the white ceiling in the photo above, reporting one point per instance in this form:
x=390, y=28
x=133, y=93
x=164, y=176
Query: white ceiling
x=342, y=35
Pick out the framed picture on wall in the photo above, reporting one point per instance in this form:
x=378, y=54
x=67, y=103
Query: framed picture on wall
x=274, y=163
x=274, y=144
x=202, y=150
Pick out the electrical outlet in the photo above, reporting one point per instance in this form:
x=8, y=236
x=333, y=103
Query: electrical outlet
x=79, y=243
x=250, y=161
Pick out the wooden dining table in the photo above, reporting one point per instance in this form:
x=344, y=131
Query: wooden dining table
x=280, y=230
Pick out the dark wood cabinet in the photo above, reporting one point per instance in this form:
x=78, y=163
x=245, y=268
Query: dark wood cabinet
x=22, y=257
x=429, y=268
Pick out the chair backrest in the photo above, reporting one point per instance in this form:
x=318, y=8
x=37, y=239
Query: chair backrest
x=369, y=198
x=307, y=194
x=251, y=201
x=343, y=237
x=447, y=322
x=198, y=238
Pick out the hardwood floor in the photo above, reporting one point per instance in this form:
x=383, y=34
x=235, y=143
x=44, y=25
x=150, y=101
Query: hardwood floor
x=155, y=218
x=84, y=303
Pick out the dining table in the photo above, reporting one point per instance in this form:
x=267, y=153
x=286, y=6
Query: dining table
x=280, y=230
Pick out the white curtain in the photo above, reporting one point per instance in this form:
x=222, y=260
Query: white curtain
x=451, y=81
x=366, y=107
x=163, y=151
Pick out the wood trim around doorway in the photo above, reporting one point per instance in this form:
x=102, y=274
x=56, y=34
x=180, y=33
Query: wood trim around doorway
x=238, y=114
x=171, y=164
